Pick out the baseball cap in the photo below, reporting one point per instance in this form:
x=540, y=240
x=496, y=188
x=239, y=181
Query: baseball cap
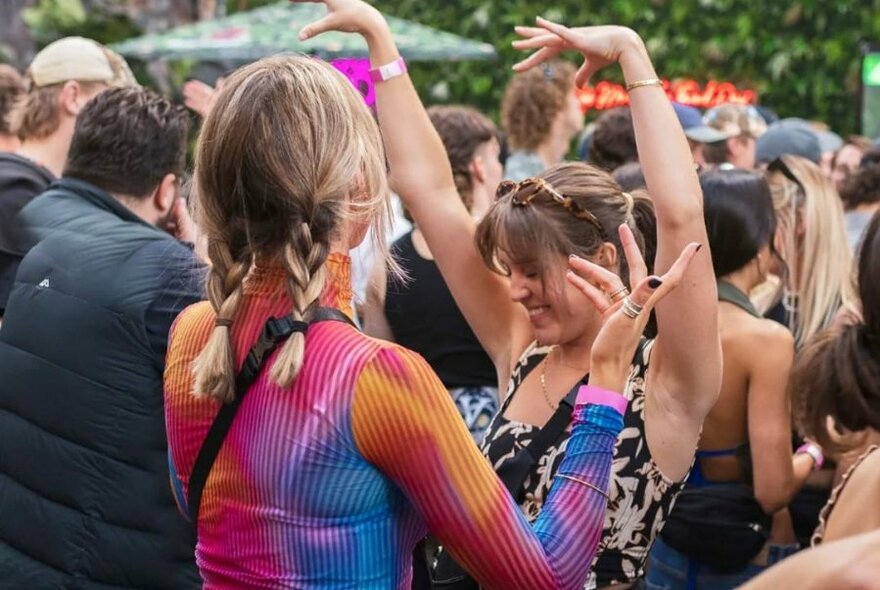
x=829, y=141
x=77, y=58
x=735, y=120
x=692, y=122
x=788, y=137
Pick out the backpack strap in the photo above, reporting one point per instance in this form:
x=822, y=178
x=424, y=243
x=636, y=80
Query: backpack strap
x=446, y=572
x=275, y=332
x=514, y=471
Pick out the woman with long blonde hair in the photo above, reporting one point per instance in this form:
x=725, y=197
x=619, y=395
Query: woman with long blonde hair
x=348, y=449
x=812, y=243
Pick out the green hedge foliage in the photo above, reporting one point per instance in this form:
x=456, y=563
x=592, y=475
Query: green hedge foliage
x=801, y=57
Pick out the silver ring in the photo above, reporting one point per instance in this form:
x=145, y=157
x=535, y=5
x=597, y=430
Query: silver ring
x=630, y=308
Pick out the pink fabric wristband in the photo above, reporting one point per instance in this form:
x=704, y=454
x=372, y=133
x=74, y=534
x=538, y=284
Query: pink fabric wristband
x=590, y=394
x=388, y=71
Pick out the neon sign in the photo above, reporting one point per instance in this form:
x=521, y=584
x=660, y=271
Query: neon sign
x=607, y=95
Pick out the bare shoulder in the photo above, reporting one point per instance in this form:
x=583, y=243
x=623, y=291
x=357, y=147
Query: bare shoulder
x=849, y=516
x=756, y=339
x=745, y=327
x=864, y=481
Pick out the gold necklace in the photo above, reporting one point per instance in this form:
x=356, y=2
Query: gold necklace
x=544, y=382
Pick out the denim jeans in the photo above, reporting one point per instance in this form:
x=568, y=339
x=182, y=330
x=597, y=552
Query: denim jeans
x=669, y=569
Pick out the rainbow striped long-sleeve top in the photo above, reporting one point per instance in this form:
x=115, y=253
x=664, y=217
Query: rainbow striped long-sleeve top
x=332, y=482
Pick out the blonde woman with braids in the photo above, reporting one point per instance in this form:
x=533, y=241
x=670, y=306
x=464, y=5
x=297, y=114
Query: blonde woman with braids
x=348, y=450
x=812, y=244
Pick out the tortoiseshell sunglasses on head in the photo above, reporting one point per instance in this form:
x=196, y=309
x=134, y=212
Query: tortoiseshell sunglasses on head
x=523, y=192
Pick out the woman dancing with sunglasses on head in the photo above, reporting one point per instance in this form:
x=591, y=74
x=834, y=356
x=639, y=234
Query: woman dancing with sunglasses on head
x=348, y=449
x=541, y=329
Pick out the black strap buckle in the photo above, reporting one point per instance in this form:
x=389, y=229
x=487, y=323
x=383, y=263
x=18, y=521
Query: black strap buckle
x=280, y=328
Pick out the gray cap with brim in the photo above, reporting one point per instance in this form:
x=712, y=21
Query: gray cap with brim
x=788, y=137
x=705, y=134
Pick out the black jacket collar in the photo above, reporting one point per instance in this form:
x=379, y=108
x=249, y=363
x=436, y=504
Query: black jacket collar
x=99, y=198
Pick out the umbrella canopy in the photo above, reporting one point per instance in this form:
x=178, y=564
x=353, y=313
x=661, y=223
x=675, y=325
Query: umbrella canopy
x=248, y=36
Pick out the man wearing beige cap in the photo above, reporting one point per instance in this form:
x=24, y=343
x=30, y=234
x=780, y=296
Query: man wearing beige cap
x=60, y=80
x=742, y=125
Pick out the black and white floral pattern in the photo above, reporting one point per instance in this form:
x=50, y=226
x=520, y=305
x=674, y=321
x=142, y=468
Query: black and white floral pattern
x=640, y=496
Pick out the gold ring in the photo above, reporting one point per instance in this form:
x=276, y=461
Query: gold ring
x=618, y=295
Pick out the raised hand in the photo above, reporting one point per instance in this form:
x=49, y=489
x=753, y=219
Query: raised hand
x=346, y=16
x=600, y=46
x=199, y=97
x=615, y=345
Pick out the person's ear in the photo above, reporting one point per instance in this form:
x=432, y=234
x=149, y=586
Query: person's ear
x=734, y=146
x=70, y=98
x=165, y=194
x=606, y=256
x=477, y=168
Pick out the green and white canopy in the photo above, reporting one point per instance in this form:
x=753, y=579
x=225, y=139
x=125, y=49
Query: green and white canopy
x=251, y=35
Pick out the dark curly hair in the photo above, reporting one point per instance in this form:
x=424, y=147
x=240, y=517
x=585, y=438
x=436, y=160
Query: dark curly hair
x=127, y=139
x=614, y=140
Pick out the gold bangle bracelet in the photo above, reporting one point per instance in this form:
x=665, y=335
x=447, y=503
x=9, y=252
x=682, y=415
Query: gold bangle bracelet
x=639, y=83
x=584, y=483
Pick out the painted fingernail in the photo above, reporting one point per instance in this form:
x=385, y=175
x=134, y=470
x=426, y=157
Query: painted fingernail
x=654, y=283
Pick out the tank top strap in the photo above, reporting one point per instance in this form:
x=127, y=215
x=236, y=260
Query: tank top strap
x=825, y=513
x=730, y=294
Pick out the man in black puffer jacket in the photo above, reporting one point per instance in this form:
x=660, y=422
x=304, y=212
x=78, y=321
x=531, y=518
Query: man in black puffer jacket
x=85, y=500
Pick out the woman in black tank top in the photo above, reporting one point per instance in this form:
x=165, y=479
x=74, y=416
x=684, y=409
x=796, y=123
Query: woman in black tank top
x=419, y=311
x=747, y=435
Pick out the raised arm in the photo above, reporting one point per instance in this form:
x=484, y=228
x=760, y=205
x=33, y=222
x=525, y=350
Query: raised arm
x=686, y=362
x=687, y=357
x=421, y=175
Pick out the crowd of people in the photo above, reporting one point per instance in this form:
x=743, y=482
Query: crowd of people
x=642, y=353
